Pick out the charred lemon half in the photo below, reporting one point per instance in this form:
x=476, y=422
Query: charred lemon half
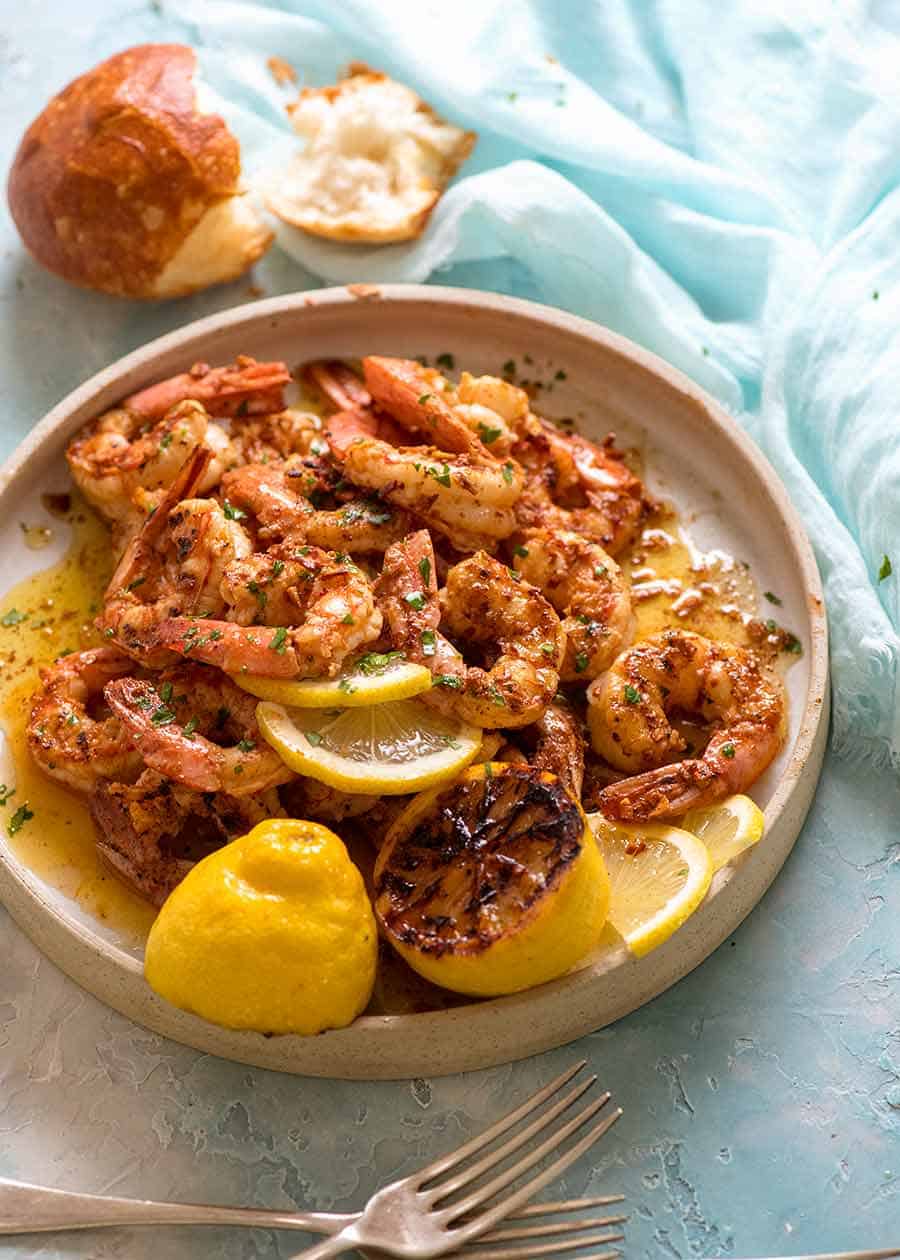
x=493, y=884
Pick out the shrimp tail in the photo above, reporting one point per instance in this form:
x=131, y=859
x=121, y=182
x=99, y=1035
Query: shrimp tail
x=399, y=386
x=264, y=650
x=337, y=384
x=242, y=388
x=665, y=793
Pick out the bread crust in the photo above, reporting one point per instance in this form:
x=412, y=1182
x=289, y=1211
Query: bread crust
x=114, y=175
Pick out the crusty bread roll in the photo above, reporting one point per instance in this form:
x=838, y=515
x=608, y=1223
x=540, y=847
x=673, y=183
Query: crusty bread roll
x=124, y=184
x=375, y=164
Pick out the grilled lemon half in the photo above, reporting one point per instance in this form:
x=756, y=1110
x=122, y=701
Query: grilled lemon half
x=493, y=884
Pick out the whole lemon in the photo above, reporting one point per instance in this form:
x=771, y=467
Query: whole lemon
x=273, y=932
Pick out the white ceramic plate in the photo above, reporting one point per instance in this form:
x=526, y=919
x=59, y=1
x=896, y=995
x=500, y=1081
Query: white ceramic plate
x=694, y=453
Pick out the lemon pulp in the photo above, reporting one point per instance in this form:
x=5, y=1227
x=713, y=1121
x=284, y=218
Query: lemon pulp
x=392, y=748
x=658, y=877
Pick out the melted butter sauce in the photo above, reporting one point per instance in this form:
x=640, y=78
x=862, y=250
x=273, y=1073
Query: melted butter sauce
x=42, y=618
x=676, y=585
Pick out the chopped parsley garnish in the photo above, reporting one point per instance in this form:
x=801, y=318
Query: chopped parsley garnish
x=549, y=649
x=771, y=626
x=215, y=635
x=508, y=473
x=581, y=662
x=512, y=97
x=347, y=619
x=445, y=360
x=256, y=590
x=560, y=375
x=728, y=750
x=162, y=716
x=165, y=692
x=520, y=551
x=497, y=696
x=429, y=642
x=884, y=572
x=6, y=793
x=132, y=586
x=415, y=600
x=632, y=695
x=487, y=433
x=794, y=646
x=278, y=641
x=441, y=475
x=313, y=737
x=447, y=680
x=376, y=662
x=346, y=686
x=773, y=599
x=19, y=818
x=233, y=513
x=166, y=441
x=425, y=570
x=509, y=367
x=600, y=571
x=277, y=568
x=423, y=398
x=246, y=745
x=13, y=617
x=190, y=726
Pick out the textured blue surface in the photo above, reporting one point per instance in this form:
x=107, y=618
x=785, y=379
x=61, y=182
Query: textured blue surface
x=762, y=1094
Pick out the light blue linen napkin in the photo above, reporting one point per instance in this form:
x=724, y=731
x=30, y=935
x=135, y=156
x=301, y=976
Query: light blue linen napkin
x=720, y=182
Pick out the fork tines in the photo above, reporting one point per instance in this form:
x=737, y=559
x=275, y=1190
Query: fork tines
x=532, y=1126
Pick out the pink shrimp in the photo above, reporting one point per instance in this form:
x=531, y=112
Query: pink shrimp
x=628, y=718
x=245, y=387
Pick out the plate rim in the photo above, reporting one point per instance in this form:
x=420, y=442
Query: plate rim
x=28, y=904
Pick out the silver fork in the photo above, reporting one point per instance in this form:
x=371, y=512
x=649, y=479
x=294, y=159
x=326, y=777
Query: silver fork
x=418, y=1218
x=36, y=1209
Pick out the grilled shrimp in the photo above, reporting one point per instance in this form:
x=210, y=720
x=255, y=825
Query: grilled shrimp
x=628, y=717
x=67, y=736
x=328, y=610
x=573, y=484
x=271, y=493
x=277, y=436
x=118, y=461
x=585, y=585
x=243, y=388
x=483, y=604
x=468, y=498
x=198, y=729
x=152, y=832
x=173, y=565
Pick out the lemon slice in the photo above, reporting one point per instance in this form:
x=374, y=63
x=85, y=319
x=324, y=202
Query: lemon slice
x=392, y=748
x=727, y=828
x=374, y=678
x=658, y=876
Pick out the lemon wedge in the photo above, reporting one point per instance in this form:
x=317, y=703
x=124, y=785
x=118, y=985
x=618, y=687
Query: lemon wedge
x=727, y=828
x=658, y=876
x=390, y=749
x=493, y=883
x=374, y=678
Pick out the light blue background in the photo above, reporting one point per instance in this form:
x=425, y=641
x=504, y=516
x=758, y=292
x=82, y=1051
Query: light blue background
x=761, y=1095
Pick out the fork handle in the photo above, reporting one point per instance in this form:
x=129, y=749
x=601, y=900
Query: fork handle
x=28, y=1209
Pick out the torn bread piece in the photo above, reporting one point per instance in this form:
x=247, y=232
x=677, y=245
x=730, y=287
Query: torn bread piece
x=126, y=183
x=375, y=164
